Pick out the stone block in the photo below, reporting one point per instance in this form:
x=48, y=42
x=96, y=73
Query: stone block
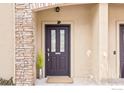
x=24, y=44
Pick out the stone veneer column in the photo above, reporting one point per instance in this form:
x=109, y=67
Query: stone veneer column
x=24, y=73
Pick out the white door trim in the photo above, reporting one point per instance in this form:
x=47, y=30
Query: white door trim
x=71, y=45
x=118, y=47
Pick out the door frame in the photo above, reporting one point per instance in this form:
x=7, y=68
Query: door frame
x=71, y=23
x=68, y=38
x=118, y=47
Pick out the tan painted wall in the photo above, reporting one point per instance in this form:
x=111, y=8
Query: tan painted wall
x=80, y=16
x=116, y=13
x=6, y=40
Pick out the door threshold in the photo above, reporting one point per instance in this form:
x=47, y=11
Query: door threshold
x=59, y=79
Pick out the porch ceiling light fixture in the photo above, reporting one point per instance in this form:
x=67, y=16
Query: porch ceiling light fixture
x=57, y=9
x=58, y=22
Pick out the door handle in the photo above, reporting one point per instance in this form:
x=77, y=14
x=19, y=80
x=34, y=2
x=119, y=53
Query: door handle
x=57, y=53
x=48, y=49
x=48, y=54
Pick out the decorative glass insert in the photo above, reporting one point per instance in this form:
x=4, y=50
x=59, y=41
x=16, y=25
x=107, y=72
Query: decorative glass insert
x=53, y=40
x=62, y=40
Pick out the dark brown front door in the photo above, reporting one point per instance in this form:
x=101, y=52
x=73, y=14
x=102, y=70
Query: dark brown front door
x=121, y=50
x=57, y=50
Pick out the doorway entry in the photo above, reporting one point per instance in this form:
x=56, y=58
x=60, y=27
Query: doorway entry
x=121, y=27
x=57, y=50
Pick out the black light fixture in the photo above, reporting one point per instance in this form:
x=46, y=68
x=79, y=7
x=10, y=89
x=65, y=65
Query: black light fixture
x=57, y=9
x=58, y=22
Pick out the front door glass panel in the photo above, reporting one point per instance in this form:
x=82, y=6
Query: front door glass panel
x=53, y=40
x=62, y=40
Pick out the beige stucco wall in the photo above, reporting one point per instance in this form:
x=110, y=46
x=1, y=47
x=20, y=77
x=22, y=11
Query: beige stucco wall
x=6, y=40
x=80, y=17
x=116, y=14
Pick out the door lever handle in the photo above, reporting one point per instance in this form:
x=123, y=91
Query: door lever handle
x=48, y=54
x=48, y=49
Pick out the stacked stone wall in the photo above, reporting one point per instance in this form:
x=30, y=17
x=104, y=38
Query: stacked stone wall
x=25, y=48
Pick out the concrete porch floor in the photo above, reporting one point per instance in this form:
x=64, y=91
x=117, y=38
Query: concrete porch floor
x=79, y=82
